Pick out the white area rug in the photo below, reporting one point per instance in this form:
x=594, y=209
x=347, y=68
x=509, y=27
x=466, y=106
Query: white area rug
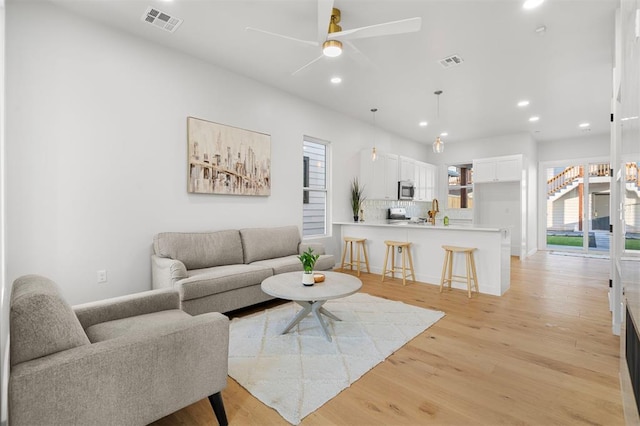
x=298, y=372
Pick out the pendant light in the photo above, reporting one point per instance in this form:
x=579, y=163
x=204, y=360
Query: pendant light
x=374, y=154
x=438, y=145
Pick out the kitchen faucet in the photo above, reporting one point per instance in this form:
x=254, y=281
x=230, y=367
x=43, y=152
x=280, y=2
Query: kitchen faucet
x=435, y=209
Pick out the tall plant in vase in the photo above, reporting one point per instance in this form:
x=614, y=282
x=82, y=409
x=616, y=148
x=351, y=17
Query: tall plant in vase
x=357, y=197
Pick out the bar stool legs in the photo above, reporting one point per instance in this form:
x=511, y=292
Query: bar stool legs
x=361, y=246
x=405, y=248
x=471, y=276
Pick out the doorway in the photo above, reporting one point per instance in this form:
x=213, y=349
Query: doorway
x=577, y=207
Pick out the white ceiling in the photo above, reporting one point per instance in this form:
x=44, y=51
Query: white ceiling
x=565, y=72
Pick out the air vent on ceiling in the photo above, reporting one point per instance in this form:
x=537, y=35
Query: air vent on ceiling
x=161, y=20
x=450, y=61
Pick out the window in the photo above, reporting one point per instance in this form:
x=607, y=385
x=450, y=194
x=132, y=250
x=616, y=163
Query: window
x=314, y=187
x=460, y=187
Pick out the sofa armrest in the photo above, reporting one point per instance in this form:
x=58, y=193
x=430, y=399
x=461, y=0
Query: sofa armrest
x=318, y=248
x=165, y=272
x=133, y=379
x=130, y=305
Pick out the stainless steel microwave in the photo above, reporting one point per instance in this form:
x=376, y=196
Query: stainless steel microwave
x=405, y=190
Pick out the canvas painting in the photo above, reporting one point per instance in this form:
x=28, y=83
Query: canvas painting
x=227, y=160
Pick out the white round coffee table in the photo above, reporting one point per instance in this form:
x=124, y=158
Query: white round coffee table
x=289, y=286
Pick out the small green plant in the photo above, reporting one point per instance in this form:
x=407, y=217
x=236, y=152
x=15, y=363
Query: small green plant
x=308, y=259
x=357, y=196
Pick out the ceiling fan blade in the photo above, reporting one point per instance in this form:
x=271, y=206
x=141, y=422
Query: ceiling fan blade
x=388, y=28
x=324, y=17
x=357, y=55
x=307, y=65
x=297, y=40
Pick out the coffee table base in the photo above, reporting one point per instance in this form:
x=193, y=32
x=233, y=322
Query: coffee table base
x=316, y=309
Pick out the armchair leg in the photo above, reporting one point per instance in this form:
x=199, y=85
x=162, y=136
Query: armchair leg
x=218, y=408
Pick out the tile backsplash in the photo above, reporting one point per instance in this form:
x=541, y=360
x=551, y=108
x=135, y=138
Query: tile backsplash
x=375, y=210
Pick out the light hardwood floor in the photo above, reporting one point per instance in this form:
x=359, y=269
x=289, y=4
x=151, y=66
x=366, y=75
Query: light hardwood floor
x=542, y=354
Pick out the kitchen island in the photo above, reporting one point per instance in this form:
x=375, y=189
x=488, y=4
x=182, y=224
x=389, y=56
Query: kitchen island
x=492, y=256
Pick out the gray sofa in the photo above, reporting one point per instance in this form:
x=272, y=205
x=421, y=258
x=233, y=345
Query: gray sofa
x=221, y=271
x=129, y=360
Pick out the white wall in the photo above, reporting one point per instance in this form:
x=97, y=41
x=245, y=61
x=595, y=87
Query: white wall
x=466, y=151
x=96, y=149
x=587, y=146
x=4, y=287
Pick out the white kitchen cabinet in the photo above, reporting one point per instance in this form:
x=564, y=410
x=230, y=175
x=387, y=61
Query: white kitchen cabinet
x=390, y=172
x=426, y=181
x=379, y=177
x=500, y=198
x=498, y=169
x=420, y=181
x=407, y=168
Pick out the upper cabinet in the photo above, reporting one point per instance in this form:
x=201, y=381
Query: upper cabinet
x=498, y=169
x=407, y=168
x=379, y=177
x=425, y=181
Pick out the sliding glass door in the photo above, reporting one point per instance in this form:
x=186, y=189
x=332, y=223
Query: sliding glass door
x=631, y=203
x=578, y=207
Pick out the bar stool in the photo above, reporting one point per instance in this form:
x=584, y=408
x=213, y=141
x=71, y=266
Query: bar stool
x=348, y=241
x=447, y=268
x=405, y=248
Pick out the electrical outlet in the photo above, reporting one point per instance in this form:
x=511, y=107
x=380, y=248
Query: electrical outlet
x=102, y=276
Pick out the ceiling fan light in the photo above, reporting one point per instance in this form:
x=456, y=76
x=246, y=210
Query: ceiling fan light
x=332, y=48
x=438, y=146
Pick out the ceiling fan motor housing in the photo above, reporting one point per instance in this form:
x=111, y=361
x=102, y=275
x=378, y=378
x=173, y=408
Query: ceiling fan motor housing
x=335, y=20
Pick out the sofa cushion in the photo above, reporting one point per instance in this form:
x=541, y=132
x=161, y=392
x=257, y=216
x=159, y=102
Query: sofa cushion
x=140, y=324
x=199, y=250
x=204, y=282
x=41, y=322
x=280, y=265
x=325, y=262
x=269, y=243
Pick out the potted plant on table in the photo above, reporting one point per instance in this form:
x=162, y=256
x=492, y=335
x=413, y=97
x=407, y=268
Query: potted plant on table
x=308, y=260
x=357, y=197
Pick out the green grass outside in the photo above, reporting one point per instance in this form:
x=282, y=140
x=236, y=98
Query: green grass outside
x=632, y=244
x=557, y=240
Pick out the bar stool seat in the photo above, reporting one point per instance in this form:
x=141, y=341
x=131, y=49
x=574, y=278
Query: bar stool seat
x=447, y=268
x=361, y=246
x=405, y=248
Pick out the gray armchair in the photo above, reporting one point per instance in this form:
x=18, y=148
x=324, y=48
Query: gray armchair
x=124, y=361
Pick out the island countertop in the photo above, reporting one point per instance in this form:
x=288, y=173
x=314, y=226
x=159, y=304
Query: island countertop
x=425, y=225
x=492, y=254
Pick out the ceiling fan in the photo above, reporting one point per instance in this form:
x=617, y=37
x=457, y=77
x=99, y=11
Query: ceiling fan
x=331, y=39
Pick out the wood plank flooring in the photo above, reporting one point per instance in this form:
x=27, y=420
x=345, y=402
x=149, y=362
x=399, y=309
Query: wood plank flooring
x=542, y=354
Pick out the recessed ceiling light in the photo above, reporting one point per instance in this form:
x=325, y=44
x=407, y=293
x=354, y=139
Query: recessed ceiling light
x=635, y=117
x=531, y=4
x=534, y=118
x=541, y=30
x=444, y=134
x=583, y=125
x=523, y=103
x=336, y=80
x=423, y=124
